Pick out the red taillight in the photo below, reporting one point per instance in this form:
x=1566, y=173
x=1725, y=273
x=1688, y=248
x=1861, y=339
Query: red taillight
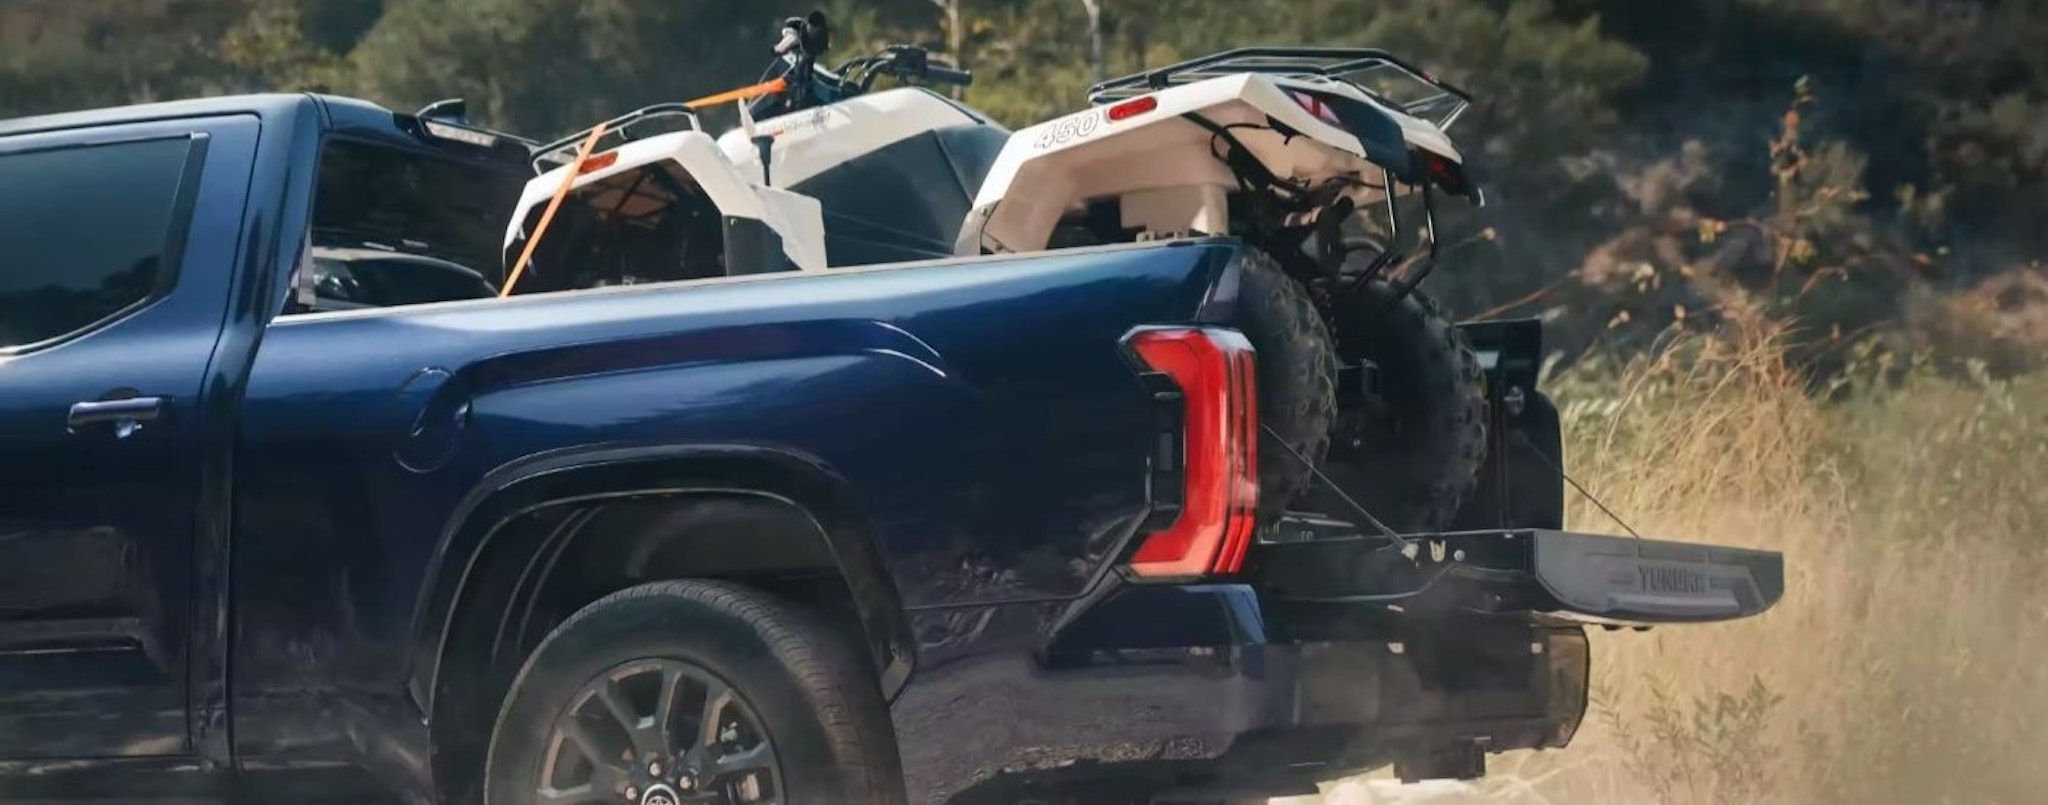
x=1220, y=438
x=598, y=162
x=1443, y=172
x=1318, y=107
x=1132, y=108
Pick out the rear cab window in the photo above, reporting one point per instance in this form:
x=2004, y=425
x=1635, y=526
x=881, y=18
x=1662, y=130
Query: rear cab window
x=399, y=225
x=89, y=234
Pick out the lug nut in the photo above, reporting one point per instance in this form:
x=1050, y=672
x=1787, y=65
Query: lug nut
x=632, y=793
x=654, y=768
x=686, y=782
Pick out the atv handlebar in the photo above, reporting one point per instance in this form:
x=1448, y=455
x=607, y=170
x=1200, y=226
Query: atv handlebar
x=948, y=75
x=803, y=40
x=819, y=86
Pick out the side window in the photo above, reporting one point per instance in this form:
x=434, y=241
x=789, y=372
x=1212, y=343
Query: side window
x=88, y=233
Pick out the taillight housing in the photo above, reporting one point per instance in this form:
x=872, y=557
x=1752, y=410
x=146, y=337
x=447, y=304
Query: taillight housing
x=598, y=162
x=1443, y=172
x=1214, y=370
x=1133, y=108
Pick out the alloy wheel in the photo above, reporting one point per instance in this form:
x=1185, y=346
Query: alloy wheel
x=659, y=732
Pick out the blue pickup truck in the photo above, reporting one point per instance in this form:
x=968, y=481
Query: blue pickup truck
x=294, y=508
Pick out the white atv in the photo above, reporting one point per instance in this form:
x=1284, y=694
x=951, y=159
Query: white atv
x=1309, y=155
x=1285, y=148
x=831, y=174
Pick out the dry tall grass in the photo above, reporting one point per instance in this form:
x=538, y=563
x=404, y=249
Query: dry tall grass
x=1908, y=662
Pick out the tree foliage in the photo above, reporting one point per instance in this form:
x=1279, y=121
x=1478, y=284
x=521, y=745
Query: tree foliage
x=1608, y=130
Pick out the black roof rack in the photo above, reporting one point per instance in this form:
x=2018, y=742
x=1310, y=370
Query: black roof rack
x=1378, y=72
x=563, y=151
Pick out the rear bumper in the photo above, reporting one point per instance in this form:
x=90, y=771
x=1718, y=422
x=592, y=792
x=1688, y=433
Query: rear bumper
x=1207, y=686
x=1335, y=660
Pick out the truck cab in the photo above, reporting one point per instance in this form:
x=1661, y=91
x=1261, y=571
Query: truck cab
x=146, y=251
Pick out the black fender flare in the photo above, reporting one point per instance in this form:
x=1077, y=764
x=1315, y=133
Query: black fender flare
x=628, y=470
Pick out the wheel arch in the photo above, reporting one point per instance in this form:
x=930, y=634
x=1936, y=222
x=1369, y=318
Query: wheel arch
x=620, y=472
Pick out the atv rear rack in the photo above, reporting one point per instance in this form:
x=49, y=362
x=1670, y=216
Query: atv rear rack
x=1368, y=69
x=563, y=151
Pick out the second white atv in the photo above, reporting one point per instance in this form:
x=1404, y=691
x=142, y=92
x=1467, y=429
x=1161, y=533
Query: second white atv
x=822, y=172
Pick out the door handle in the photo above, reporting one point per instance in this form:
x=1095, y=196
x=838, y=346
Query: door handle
x=127, y=415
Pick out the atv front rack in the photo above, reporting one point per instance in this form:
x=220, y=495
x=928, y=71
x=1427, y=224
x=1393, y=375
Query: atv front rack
x=1379, y=73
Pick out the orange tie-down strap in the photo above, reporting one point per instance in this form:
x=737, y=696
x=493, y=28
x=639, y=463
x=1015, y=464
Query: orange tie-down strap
x=741, y=94
x=547, y=216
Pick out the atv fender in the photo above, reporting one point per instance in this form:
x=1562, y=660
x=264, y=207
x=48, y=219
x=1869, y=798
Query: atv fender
x=1168, y=141
x=795, y=220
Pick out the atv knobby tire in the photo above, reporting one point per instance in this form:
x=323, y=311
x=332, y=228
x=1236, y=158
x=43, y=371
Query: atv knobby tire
x=1297, y=376
x=1411, y=455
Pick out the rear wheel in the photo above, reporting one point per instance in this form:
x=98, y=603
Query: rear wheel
x=1410, y=450
x=693, y=691
x=1297, y=377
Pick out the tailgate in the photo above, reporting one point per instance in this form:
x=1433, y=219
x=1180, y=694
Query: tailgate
x=1591, y=578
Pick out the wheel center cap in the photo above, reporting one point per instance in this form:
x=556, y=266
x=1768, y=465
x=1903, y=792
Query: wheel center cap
x=660, y=794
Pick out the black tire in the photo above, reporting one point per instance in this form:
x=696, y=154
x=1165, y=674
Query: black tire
x=1297, y=374
x=1412, y=458
x=816, y=701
